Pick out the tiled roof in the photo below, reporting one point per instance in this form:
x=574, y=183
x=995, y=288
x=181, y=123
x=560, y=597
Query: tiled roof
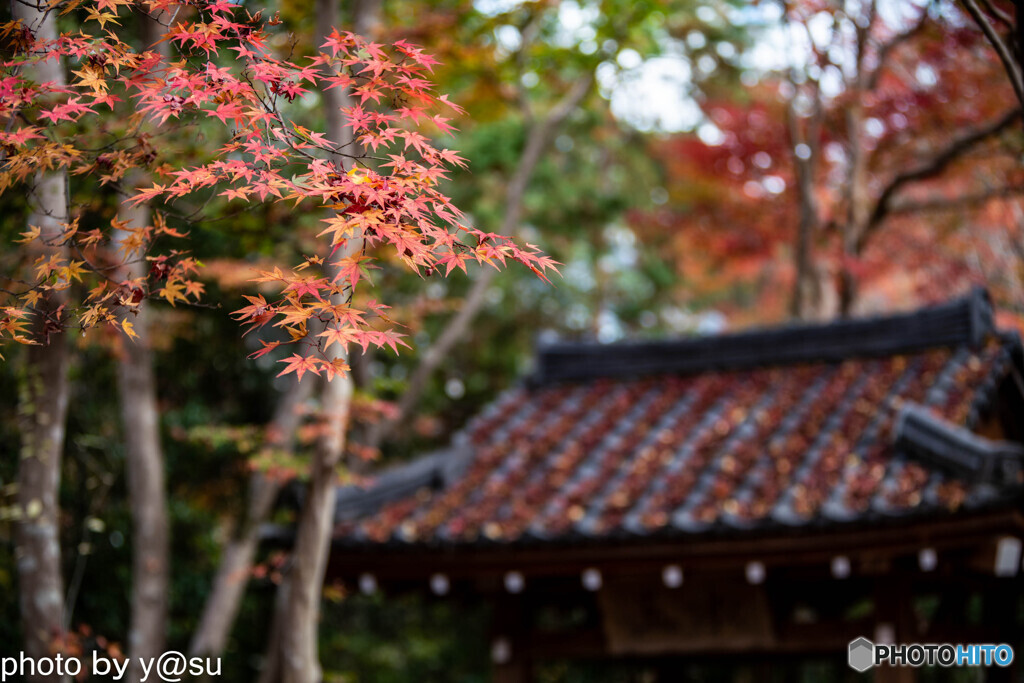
x=785, y=427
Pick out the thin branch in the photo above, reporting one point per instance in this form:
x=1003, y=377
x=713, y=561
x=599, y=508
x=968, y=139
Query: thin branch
x=999, y=14
x=886, y=49
x=1000, y=46
x=1015, y=243
x=527, y=36
x=931, y=168
x=964, y=201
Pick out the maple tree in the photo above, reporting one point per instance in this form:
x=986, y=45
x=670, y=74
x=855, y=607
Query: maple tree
x=853, y=169
x=267, y=156
x=382, y=193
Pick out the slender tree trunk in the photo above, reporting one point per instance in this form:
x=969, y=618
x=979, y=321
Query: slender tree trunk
x=806, y=296
x=239, y=553
x=858, y=199
x=144, y=461
x=43, y=404
x=271, y=672
x=42, y=411
x=857, y=209
x=144, y=458
x=236, y=562
x=293, y=655
x=300, y=662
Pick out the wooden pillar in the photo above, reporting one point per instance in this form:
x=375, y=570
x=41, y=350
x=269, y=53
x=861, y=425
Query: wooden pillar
x=747, y=673
x=893, y=609
x=1000, y=602
x=516, y=671
x=510, y=638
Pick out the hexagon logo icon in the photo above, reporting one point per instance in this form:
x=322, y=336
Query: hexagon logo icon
x=862, y=654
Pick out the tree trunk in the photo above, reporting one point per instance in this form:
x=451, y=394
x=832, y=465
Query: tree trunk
x=806, y=295
x=300, y=662
x=858, y=209
x=144, y=461
x=292, y=655
x=42, y=409
x=43, y=404
x=236, y=562
x=144, y=458
x=858, y=200
x=222, y=605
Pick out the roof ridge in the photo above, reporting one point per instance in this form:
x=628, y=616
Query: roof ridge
x=964, y=321
x=433, y=471
x=957, y=449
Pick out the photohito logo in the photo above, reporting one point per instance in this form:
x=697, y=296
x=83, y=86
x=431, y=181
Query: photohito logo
x=863, y=654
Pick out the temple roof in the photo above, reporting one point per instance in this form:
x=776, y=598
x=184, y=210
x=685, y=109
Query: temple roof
x=799, y=426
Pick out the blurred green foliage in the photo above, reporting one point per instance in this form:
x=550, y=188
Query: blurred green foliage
x=375, y=639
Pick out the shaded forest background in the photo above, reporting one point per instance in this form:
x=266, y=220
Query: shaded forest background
x=695, y=167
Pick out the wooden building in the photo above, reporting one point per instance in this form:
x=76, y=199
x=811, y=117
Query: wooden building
x=760, y=497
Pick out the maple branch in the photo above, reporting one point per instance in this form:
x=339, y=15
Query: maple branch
x=10, y=124
x=886, y=49
x=1015, y=244
x=538, y=138
x=155, y=19
x=968, y=200
x=931, y=168
x=999, y=14
x=1010, y=64
x=527, y=36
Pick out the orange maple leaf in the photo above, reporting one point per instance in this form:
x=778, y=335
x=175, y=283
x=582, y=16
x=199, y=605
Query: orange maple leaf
x=299, y=364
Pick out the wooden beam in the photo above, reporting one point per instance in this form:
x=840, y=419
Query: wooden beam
x=644, y=618
x=774, y=549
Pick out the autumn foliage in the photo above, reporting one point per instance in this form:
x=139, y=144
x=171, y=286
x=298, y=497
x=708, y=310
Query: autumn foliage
x=894, y=140
x=380, y=193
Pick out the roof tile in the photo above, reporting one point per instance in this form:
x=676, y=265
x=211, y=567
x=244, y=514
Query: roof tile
x=789, y=444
